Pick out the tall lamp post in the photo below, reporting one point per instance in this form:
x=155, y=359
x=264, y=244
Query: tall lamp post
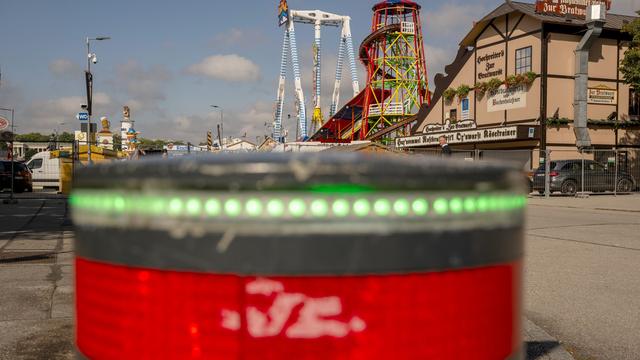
x=13, y=156
x=221, y=121
x=91, y=58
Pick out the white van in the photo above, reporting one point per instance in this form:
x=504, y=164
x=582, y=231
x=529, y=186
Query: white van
x=45, y=170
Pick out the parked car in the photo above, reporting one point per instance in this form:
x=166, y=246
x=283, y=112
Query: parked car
x=46, y=170
x=566, y=177
x=22, y=180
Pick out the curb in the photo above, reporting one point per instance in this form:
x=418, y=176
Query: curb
x=540, y=345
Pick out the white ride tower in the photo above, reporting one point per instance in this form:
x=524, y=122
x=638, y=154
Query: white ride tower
x=318, y=19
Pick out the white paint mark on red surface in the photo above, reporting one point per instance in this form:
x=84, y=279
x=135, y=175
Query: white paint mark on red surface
x=314, y=316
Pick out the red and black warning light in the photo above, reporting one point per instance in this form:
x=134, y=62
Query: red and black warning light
x=307, y=257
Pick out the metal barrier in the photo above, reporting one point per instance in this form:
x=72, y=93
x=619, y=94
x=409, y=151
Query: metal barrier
x=579, y=173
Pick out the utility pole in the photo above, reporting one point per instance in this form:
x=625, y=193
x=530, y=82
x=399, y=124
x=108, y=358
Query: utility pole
x=89, y=82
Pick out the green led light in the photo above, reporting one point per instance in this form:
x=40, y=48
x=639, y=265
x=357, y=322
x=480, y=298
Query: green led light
x=275, y=208
x=119, y=204
x=401, y=207
x=253, y=207
x=361, y=207
x=483, y=204
x=456, y=206
x=232, y=207
x=320, y=208
x=175, y=206
x=340, y=208
x=441, y=206
x=493, y=203
x=420, y=207
x=194, y=207
x=382, y=207
x=469, y=205
x=212, y=207
x=156, y=205
x=297, y=208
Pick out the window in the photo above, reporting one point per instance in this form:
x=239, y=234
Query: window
x=634, y=104
x=453, y=115
x=35, y=164
x=523, y=60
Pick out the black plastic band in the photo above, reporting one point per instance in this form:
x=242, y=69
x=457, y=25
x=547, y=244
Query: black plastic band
x=291, y=255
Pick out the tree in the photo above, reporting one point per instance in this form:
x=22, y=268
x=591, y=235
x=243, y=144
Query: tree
x=33, y=137
x=28, y=154
x=66, y=137
x=630, y=65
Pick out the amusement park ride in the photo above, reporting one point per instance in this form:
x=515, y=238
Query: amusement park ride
x=397, y=90
x=318, y=19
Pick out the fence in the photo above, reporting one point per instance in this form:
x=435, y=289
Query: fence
x=569, y=172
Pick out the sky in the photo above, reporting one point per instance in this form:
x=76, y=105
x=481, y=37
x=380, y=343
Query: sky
x=169, y=61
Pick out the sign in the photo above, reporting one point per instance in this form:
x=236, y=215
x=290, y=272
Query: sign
x=83, y=116
x=506, y=133
x=4, y=123
x=577, y=8
x=488, y=65
x=447, y=126
x=465, y=108
x=283, y=13
x=602, y=95
x=507, y=98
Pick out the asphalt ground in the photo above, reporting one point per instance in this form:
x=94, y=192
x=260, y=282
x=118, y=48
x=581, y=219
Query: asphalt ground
x=583, y=273
x=582, y=286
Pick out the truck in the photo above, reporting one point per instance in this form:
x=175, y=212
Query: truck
x=45, y=171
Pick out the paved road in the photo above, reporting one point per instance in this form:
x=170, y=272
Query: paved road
x=36, y=276
x=582, y=279
x=583, y=274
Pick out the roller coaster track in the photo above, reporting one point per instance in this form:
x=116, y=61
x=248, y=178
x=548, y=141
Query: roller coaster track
x=373, y=37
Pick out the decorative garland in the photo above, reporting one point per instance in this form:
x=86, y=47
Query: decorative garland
x=490, y=85
x=557, y=122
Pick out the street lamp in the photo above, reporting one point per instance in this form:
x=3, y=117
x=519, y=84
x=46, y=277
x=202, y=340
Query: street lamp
x=13, y=157
x=221, y=120
x=91, y=58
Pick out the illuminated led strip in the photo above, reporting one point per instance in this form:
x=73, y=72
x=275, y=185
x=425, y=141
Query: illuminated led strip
x=292, y=205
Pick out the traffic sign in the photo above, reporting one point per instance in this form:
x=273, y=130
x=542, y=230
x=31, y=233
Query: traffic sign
x=4, y=123
x=83, y=116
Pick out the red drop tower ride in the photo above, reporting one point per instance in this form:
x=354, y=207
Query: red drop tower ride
x=397, y=74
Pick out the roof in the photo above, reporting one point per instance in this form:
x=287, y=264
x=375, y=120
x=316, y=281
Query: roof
x=370, y=147
x=613, y=21
x=391, y=3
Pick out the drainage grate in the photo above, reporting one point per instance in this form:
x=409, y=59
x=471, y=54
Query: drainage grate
x=27, y=257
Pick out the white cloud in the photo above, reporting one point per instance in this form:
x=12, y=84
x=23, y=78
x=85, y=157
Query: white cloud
x=65, y=68
x=144, y=87
x=437, y=59
x=45, y=115
x=233, y=68
x=452, y=21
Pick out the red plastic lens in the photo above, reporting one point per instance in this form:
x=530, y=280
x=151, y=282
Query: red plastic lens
x=133, y=313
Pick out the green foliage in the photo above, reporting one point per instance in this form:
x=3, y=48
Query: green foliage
x=557, y=122
x=481, y=88
x=66, y=137
x=630, y=65
x=512, y=80
x=449, y=94
x=462, y=91
x=33, y=137
x=494, y=84
x=530, y=77
x=28, y=154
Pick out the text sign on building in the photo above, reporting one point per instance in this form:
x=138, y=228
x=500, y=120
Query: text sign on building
x=461, y=137
x=490, y=65
x=577, y=8
x=507, y=98
x=602, y=95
